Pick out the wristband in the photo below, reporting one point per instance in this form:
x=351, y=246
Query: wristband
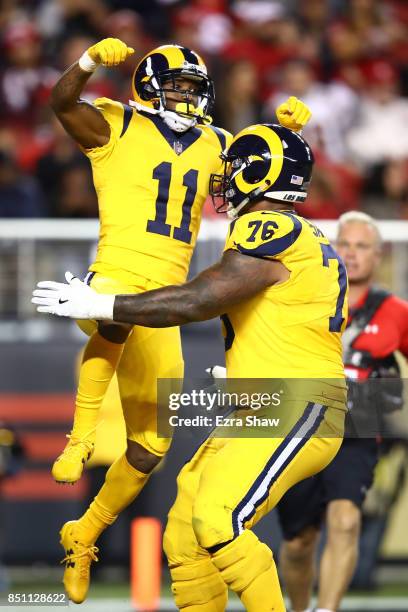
x=102, y=307
x=86, y=63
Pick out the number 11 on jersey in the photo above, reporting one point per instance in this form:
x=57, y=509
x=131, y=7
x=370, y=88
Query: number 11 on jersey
x=158, y=225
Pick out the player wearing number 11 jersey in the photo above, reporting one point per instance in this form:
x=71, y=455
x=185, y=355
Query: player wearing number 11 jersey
x=151, y=164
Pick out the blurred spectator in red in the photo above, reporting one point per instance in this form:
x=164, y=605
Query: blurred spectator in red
x=395, y=180
x=8, y=142
x=102, y=83
x=51, y=168
x=79, y=16
x=25, y=82
x=399, y=51
x=77, y=197
x=72, y=48
x=155, y=14
x=129, y=27
x=8, y=11
x=238, y=100
x=203, y=25
x=20, y=195
x=369, y=29
x=313, y=18
x=334, y=189
x=334, y=107
x=265, y=36
x=65, y=176
x=382, y=130
x=386, y=190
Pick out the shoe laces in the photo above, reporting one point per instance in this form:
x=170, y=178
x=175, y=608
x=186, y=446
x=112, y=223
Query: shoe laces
x=76, y=444
x=84, y=557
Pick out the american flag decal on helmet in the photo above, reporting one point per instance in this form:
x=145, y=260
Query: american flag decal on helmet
x=296, y=180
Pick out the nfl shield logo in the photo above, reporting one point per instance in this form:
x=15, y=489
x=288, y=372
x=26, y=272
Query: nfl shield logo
x=178, y=147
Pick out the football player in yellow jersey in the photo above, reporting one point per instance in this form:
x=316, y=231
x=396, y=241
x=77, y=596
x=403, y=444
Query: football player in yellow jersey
x=282, y=292
x=151, y=164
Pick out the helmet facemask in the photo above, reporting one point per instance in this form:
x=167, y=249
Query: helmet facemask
x=225, y=196
x=199, y=102
x=195, y=108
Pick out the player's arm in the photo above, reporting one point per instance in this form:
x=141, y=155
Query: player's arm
x=82, y=120
x=235, y=278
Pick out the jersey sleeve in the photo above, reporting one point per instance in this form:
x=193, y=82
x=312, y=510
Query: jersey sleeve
x=115, y=114
x=222, y=140
x=228, y=140
x=263, y=234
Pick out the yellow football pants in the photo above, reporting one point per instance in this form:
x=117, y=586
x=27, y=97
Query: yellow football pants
x=226, y=488
x=149, y=354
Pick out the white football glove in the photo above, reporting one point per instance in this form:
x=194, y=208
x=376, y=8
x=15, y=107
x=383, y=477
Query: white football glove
x=74, y=299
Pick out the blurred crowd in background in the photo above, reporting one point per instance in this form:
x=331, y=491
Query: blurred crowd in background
x=347, y=59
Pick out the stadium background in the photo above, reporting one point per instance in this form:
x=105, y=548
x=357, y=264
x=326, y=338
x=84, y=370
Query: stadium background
x=346, y=59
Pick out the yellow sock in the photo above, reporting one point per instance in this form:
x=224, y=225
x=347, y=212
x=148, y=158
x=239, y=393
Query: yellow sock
x=248, y=568
x=99, y=364
x=122, y=485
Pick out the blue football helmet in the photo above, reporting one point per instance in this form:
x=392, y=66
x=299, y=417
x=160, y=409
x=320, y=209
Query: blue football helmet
x=263, y=161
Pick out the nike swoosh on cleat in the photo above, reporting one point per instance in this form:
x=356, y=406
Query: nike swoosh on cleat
x=62, y=301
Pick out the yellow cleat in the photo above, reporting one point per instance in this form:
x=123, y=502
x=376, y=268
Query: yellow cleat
x=69, y=465
x=78, y=559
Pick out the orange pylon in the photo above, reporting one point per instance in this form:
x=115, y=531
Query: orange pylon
x=145, y=563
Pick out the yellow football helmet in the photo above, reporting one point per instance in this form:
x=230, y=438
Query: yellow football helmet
x=162, y=66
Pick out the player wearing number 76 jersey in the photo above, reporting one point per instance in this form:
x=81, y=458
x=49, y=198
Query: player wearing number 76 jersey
x=281, y=291
x=151, y=163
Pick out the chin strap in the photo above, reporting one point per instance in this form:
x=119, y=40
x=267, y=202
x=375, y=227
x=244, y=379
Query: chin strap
x=232, y=211
x=177, y=122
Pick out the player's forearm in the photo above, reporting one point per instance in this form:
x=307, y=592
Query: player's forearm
x=167, y=307
x=66, y=92
x=234, y=279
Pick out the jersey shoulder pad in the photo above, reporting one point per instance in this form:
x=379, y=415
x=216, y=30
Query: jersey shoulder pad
x=263, y=234
x=115, y=113
x=222, y=137
x=118, y=116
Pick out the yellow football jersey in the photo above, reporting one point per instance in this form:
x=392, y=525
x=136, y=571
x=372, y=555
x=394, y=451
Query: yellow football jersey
x=151, y=185
x=292, y=329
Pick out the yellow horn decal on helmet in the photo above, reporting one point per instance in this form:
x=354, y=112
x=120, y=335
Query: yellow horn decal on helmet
x=175, y=59
x=174, y=56
x=276, y=148
x=253, y=158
